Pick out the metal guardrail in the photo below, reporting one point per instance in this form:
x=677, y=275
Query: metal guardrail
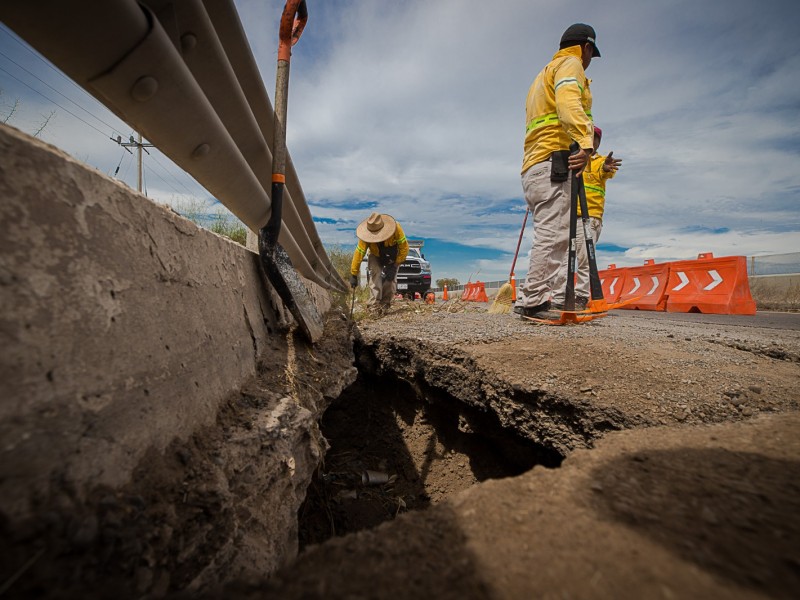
x=182, y=74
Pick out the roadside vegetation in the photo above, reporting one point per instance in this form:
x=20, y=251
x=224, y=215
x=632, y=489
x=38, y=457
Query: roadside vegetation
x=213, y=218
x=341, y=259
x=776, y=294
x=450, y=282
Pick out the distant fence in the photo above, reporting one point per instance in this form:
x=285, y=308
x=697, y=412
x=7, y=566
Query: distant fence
x=460, y=287
x=774, y=264
x=768, y=264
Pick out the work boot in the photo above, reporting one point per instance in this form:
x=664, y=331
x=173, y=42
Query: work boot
x=541, y=311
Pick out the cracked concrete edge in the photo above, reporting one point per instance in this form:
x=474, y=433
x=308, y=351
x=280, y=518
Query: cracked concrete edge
x=123, y=325
x=556, y=421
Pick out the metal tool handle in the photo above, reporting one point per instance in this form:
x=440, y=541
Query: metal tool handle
x=293, y=21
x=519, y=241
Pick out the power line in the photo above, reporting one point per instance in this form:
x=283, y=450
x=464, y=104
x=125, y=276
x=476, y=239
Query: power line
x=119, y=163
x=58, y=92
x=13, y=36
x=167, y=172
x=127, y=167
x=175, y=179
x=53, y=101
x=178, y=181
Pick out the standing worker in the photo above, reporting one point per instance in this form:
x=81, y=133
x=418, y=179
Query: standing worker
x=388, y=248
x=599, y=170
x=558, y=111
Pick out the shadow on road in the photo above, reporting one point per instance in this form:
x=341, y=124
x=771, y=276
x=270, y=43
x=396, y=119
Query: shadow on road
x=735, y=514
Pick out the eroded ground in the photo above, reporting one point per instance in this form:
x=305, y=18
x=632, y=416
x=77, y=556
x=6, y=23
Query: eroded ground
x=681, y=452
x=635, y=456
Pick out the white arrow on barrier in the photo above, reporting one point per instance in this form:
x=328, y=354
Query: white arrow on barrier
x=636, y=285
x=613, y=283
x=717, y=280
x=684, y=281
x=655, y=285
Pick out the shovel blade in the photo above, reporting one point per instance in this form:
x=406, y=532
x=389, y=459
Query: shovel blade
x=291, y=289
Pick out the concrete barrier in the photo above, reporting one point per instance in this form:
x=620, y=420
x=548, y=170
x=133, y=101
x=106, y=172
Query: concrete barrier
x=123, y=329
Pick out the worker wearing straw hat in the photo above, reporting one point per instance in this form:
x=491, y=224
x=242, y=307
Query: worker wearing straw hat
x=388, y=248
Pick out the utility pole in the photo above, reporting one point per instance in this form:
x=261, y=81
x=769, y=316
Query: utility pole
x=137, y=143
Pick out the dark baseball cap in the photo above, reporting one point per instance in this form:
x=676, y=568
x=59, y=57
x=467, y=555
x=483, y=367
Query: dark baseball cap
x=580, y=32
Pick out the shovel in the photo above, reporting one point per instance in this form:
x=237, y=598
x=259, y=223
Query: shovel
x=275, y=261
x=598, y=307
x=598, y=303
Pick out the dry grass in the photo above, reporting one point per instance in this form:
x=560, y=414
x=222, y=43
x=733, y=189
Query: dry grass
x=776, y=293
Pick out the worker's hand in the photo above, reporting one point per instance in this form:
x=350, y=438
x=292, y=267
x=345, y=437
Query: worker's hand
x=389, y=272
x=611, y=164
x=354, y=281
x=579, y=160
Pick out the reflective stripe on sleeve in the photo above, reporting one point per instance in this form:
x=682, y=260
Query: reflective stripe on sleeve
x=360, y=251
x=566, y=81
x=596, y=189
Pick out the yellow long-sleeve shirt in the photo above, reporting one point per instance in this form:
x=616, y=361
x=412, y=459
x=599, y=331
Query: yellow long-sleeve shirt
x=398, y=239
x=558, y=109
x=594, y=180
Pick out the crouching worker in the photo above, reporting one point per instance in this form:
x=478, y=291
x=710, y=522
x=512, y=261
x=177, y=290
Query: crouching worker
x=388, y=248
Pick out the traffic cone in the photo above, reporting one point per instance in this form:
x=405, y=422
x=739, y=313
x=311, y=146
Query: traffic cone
x=513, y=288
x=444, y=293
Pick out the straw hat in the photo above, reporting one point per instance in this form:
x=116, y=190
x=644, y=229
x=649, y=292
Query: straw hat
x=376, y=228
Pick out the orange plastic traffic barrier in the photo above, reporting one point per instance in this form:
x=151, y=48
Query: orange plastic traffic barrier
x=444, y=293
x=470, y=290
x=480, y=292
x=612, y=280
x=476, y=292
x=710, y=285
x=646, y=287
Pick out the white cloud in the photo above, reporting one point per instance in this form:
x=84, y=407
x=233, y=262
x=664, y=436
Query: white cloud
x=419, y=107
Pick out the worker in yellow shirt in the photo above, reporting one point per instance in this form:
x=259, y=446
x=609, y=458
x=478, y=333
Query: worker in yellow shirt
x=599, y=170
x=558, y=112
x=388, y=248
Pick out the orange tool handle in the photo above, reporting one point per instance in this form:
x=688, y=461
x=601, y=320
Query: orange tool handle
x=293, y=20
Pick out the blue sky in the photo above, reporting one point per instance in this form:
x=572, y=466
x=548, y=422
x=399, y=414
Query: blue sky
x=416, y=109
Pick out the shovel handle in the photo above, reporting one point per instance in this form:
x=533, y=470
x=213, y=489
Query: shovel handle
x=293, y=21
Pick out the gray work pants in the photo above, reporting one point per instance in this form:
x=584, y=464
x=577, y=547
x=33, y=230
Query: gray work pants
x=381, y=292
x=549, y=205
x=582, y=285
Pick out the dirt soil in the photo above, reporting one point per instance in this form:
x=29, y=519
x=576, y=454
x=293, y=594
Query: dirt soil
x=698, y=498
x=381, y=429
x=703, y=511
x=631, y=457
